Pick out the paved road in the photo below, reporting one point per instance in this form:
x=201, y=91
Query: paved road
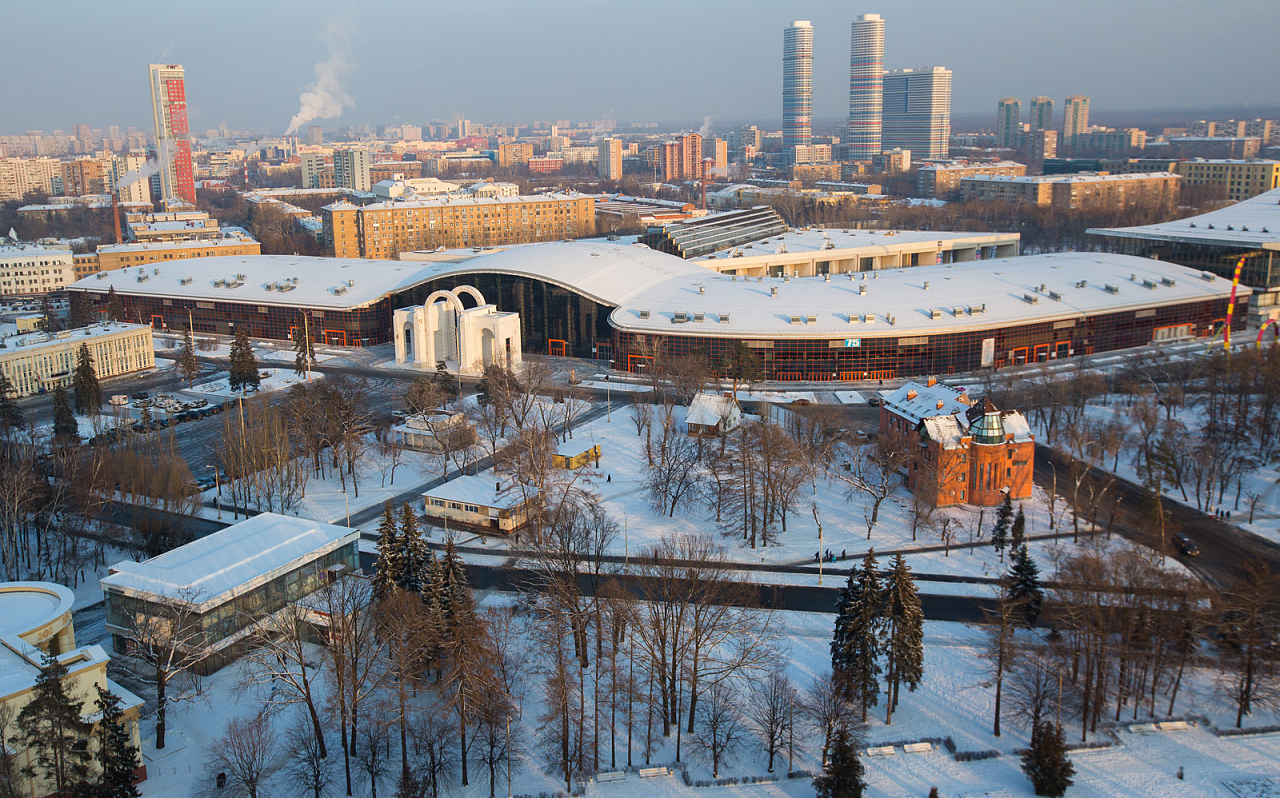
x=1225, y=550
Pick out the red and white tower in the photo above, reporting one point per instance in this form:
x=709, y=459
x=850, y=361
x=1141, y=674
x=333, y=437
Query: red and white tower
x=173, y=135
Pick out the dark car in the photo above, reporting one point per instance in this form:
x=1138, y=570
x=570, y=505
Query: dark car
x=142, y=395
x=1186, y=545
x=874, y=401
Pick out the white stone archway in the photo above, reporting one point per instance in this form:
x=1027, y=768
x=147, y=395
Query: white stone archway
x=469, y=339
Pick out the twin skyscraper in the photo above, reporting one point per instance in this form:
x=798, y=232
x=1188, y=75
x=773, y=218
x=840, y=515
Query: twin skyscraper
x=907, y=108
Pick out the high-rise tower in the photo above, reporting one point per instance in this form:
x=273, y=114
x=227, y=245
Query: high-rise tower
x=1075, y=118
x=866, y=86
x=797, y=85
x=173, y=136
x=917, y=111
x=1041, y=113
x=1008, y=122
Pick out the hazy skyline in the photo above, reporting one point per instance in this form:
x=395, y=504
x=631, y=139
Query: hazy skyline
x=246, y=63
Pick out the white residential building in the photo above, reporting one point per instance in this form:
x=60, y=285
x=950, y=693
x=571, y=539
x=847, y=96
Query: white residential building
x=27, y=269
x=40, y=361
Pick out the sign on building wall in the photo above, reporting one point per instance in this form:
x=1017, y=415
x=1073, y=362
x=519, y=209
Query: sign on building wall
x=852, y=342
x=988, y=352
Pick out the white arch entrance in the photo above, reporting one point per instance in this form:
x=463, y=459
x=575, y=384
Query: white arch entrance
x=465, y=339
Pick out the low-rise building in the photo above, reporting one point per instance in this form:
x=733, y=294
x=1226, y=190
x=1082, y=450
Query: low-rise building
x=110, y=257
x=428, y=431
x=227, y=581
x=27, y=269
x=1071, y=192
x=36, y=623
x=958, y=451
x=712, y=415
x=573, y=455
x=942, y=180
x=36, y=362
x=480, y=504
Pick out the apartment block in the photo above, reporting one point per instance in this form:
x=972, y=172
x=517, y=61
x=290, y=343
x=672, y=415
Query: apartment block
x=385, y=229
x=942, y=181
x=1072, y=192
x=1237, y=180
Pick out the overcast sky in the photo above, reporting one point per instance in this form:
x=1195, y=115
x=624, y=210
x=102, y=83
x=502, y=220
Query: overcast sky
x=659, y=60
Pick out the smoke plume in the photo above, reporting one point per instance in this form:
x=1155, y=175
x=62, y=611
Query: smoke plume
x=148, y=169
x=324, y=97
x=706, y=128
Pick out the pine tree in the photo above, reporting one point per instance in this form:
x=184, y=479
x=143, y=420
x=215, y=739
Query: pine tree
x=1024, y=584
x=244, y=368
x=456, y=600
x=188, y=367
x=856, y=645
x=842, y=777
x=304, y=351
x=10, y=413
x=1019, y=534
x=1046, y=763
x=51, y=729
x=904, y=634
x=115, y=308
x=448, y=386
x=81, y=313
x=933, y=792
x=48, y=321
x=413, y=551
x=64, y=421
x=389, y=570
x=117, y=755
x=1000, y=532
x=85, y=383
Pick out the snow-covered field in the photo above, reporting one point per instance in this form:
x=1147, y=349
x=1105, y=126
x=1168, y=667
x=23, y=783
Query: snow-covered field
x=276, y=379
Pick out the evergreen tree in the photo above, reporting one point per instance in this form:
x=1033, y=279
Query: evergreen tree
x=1046, y=763
x=1000, y=532
x=1019, y=533
x=48, y=321
x=244, y=368
x=117, y=755
x=64, y=421
x=188, y=367
x=389, y=570
x=85, y=383
x=10, y=413
x=413, y=551
x=856, y=644
x=904, y=634
x=1024, y=584
x=933, y=792
x=445, y=381
x=842, y=777
x=81, y=313
x=304, y=351
x=51, y=729
x=115, y=308
x=431, y=587
x=456, y=599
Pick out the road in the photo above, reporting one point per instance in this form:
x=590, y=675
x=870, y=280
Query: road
x=1225, y=550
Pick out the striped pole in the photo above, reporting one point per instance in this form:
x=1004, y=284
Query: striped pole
x=1231, y=307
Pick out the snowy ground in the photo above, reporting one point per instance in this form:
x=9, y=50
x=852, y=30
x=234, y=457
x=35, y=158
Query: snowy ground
x=850, y=398
x=952, y=701
x=276, y=379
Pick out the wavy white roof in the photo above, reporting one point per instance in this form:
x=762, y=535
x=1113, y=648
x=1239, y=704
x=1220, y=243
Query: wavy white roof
x=1254, y=222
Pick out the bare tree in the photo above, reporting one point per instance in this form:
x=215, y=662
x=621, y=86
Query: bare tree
x=827, y=708
x=167, y=643
x=245, y=752
x=770, y=708
x=719, y=730
x=434, y=754
x=305, y=762
x=874, y=470
x=1249, y=627
x=373, y=750
x=281, y=658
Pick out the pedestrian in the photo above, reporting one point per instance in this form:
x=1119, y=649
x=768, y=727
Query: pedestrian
x=844, y=553
x=609, y=478
x=1179, y=772
x=816, y=558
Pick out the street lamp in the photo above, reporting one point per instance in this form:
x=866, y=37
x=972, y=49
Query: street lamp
x=347, y=497
x=217, y=497
x=608, y=396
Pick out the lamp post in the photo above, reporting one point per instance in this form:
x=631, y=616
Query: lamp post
x=347, y=497
x=608, y=395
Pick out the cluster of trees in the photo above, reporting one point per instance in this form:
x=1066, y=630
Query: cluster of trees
x=278, y=232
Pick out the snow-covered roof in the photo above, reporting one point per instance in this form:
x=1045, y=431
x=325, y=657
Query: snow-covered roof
x=468, y=200
x=29, y=341
x=573, y=448
x=226, y=239
x=915, y=402
x=709, y=409
x=321, y=282
x=653, y=292
x=1016, y=424
x=946, y=430
x=481, y=491
x=960, y=167
x=844, y=244
x=1080, y=177
x=232, y=561
x=1254, y=222
x=27, y=251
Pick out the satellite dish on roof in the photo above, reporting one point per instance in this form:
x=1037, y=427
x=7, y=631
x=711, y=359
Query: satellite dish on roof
x=13, y=235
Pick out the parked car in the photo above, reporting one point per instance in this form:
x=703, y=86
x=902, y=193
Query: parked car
x=874, y=401
x=142, y=395
x=1186, y=546
x=801, y=402
x=119, y=400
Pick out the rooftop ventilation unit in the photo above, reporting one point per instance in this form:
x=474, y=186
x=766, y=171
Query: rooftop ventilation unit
x=976, y=310
x=811, y=319
x=935, y=313
x=773, y=291
x=853, y=318
x=142, y=278
x=1082, y=284
x=184, y=281
x=1150, y=284
x=797, y=319
x=826, y=278
x=1208, y=277
x=957, y=310
x=870, y=318
x=862, y=290
x=218, y=283
x=698, y=317
x=891, y=319
x=679, y=317
x=339, y=290
x=644, y=314
x=1031, y=299
x=702, y=289
x=1168, y=281
x=286, y=287
x=1055, y=296
x=1111, y=289
x=786, y=278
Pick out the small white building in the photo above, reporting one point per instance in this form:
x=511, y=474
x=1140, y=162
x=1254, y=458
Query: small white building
x=443, y=329
x=424, y=431
x=27, y=269
x=41, y=361
x=712, y=415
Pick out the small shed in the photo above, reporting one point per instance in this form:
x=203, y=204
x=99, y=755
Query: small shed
x=426, y=431
x=712, y=415
x=575, y=454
